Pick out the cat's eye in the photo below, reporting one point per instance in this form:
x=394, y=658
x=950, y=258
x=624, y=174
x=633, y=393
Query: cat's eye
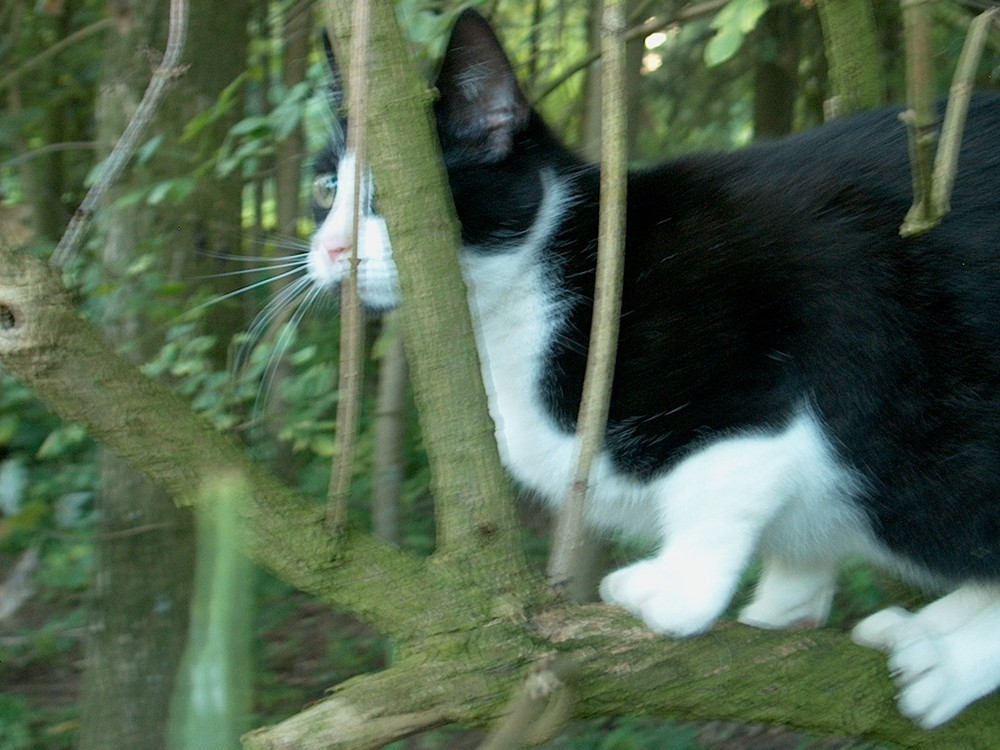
x=324, y=190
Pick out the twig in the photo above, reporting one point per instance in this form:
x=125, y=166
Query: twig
x=351, y=368
x=568, y=541
x=946, y=163
x=932, y=187
x=166, y=72
x=540, y=707
x=50, y=52
x=919, y=117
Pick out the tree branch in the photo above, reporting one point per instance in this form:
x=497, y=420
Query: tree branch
x=474, y=505
x=569, y=541
x=932, y=185
x=74, y=371
x=352, y=324
x=814, y=681
x=119, y=157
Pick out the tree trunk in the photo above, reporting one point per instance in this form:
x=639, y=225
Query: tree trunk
x=139, y=612
x=852, y=53
x=145, y=550
x=776, y=72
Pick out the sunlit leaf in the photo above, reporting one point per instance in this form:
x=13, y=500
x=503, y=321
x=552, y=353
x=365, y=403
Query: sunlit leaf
x=737, y=19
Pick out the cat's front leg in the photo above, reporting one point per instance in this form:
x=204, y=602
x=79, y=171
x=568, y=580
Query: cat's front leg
x=713, y=507
x=680, y=592
x=791, y=594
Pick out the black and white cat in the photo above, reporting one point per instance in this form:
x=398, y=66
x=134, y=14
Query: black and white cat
x=793, y=380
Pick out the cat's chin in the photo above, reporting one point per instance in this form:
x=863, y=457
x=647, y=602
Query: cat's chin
x=374, y=303
x=378, y=290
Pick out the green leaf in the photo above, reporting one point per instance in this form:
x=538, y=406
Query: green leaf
x=60, y=440
x=146, y=151
x=226, y=101
x=732, y=24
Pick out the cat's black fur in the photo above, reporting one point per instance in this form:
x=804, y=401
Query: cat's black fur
x=759, y=286
x=757, y=278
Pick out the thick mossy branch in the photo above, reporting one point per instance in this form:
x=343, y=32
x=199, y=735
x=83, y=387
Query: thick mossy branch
x=815, y=681
x=468, y=646
x=75, y=372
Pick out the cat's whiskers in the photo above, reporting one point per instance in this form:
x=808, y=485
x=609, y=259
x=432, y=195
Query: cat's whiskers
x=286, y=299
x=303, y=296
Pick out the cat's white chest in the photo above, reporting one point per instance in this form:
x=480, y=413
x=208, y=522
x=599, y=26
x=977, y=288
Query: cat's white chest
x=514, y=318
x=513, y=325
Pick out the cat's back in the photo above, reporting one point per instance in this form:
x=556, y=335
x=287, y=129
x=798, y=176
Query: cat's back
x=866, y=153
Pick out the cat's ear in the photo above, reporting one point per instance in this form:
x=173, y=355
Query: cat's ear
x=480, y=107
x=336, y=83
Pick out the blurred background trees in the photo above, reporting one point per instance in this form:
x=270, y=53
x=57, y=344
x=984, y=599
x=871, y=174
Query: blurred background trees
x=96, y=565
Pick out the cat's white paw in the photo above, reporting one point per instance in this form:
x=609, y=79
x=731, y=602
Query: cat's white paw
x=669, y=603
x=930, y=692
x=780, y=615
x=937, y=673
x=879, y=631
x=789, y=598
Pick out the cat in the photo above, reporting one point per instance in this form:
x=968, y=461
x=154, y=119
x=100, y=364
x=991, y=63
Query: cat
x=794, y=380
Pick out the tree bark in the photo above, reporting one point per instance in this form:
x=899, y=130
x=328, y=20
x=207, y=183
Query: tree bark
x=145, y=548
x=852, y=54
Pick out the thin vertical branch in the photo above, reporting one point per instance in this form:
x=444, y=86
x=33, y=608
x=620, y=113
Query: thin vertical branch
x=168, y=69
x=946, y=163
x=932, y=187
x=920, y=119
x=351, y=319
x=570, y=529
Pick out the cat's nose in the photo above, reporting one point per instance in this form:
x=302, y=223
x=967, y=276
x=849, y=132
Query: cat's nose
x=336, y=253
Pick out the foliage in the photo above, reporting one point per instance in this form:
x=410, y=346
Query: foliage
x=15, y=730
x=732, y=24
x=48, y=470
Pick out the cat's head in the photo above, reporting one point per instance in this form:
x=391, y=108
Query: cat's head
x=489, y=141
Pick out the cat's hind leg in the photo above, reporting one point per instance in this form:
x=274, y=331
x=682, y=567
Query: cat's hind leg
x=943, y=657
x=790, y=594
x=713, y=507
